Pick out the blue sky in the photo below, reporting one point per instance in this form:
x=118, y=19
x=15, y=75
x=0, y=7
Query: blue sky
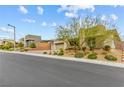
x=42, y=20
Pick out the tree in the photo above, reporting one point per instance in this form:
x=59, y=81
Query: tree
x=9, y=44
x=32, y=45
x=107, y=48
x=94, y=32
x=69, y=33
x=74, y=43
x=20, y=45
x=90, y=31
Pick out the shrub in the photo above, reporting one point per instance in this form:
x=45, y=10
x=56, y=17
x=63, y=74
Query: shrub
x=92, y=56
x=54, y=53
x=92, y=48
x=1, y=46
x=45, y=52
x=5, y=47
x=110, y=58
x=20, y=45
x=107, y=48
x=79, y=55
x=61, y=52
x=8, y=45
x=32, y=45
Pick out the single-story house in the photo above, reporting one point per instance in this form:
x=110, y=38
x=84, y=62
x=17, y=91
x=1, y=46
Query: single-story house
x=50, y=45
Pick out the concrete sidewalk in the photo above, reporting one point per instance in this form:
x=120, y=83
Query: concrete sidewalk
x=108, y=63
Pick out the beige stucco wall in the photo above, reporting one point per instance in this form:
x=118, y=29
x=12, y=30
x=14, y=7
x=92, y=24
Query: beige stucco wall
x=59, y=44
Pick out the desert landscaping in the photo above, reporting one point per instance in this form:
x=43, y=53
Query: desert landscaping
x=87, y=38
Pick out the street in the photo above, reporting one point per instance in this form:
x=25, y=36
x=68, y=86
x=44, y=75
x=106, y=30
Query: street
x=17, y=70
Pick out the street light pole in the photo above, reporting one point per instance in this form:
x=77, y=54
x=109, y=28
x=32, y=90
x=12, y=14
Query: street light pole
x=14, y=35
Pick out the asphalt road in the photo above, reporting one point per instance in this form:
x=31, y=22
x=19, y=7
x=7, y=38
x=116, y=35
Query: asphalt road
x=18, y=70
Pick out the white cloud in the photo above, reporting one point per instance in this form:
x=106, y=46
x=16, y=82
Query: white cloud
x=71, y=15
x=84, y=7
x=8, y=30
x=114, y=17
x=53, y=24
x=43, y=24
x=40, y=10
x=76, y=8
x=62, y=8
x=72, y=10
x=29, y=20
x=103, y=17
x=23, y=10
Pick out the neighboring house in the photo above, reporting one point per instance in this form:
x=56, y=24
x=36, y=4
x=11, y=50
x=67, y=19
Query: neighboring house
x=43, y=44
x=52, y=45
x=31, y=38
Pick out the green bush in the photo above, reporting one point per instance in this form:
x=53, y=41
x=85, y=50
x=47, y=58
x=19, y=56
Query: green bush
x=61, y=52
x=20, y=45
x=1, y=46
x=91, y=48
x=32, y=45
x=79, y=55
x=6, y=47
x=92, y=56
x=45, y=52
x=54, y=53
x=110, y=58
x=107, y=48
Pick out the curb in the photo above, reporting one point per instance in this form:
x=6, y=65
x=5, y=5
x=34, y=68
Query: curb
x=107, y=63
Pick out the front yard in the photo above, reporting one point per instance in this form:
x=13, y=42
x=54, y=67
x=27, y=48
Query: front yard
x=100, y=53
